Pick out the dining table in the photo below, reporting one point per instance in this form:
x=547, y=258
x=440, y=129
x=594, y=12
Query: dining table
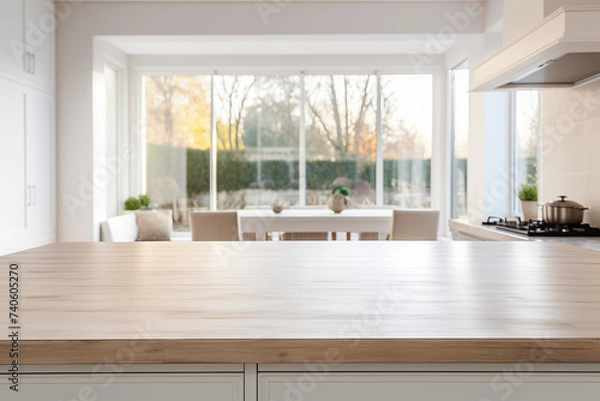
x=304, y=220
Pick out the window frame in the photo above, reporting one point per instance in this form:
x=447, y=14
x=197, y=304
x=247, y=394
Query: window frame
x=462, y=65
x=140, y=66
x=515, y=206
x=123, y=174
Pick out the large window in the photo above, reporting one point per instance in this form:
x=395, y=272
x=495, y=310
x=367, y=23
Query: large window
x=257, y=123
x=292, y=137
x=178, y=129
x=526, y=139
x=341, y=136
x=459, y=138
x=407, y=139
x=113, y=202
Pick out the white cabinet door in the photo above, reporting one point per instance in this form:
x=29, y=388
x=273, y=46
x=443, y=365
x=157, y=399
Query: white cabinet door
x=13, y=192
x=129, y=387
x=40, y=27
x=40, y=162
x=11, y=37
x=428, y=387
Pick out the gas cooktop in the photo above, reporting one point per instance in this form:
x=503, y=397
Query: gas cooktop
x=537, y=228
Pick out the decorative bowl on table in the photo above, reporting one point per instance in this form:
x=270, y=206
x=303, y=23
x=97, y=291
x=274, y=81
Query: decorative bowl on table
x=337, y=202
x=278, y=205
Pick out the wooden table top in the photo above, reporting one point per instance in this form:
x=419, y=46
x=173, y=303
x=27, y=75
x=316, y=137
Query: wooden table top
x=293, y=302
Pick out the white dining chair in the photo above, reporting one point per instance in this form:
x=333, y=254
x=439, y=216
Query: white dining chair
x=215, y=226
x=415, y=225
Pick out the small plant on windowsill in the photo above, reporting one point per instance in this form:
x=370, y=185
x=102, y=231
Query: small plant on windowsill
x=132, y=204
x=528, y=196
x=144, y=201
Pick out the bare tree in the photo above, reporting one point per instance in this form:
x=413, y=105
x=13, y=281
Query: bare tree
x=340, y=109
x=177, y=111
x=160, y=99
x=233, y=94
x=343, y=110
x=404, y=142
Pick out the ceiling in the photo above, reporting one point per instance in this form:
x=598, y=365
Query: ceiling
x=272, y=44
x=284, y=1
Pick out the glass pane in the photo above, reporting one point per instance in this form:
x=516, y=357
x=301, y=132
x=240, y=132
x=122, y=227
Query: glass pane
x=177, y=125
x=113, y=204
x=341, y=137
x=407, y=139
x=257, y=136
x=527, y=121
x=460, y=138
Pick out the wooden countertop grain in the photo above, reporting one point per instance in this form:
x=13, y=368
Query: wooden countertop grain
x=294, y=302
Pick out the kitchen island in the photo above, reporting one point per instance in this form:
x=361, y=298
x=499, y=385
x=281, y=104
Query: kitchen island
x=244, y=320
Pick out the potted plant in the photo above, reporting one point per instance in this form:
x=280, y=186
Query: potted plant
x=339, y=200
x=144, y=201
x=528, y=196
x=132, y=204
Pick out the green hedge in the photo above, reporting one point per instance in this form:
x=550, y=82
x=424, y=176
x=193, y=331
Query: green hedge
x=235, y=172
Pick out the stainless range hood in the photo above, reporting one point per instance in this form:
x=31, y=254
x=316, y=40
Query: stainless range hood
x=562, y=51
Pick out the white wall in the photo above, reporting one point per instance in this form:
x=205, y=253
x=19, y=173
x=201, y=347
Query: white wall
x=78, y=170
x=110, y=164
x=519, y=17
x=472, y=49
x=488, y=176
x=570, y=148
x=494, y=14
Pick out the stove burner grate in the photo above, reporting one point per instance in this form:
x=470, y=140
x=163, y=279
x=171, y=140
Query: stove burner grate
x=538, y=228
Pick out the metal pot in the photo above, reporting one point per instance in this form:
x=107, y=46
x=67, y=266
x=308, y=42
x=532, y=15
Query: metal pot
x=562, y=211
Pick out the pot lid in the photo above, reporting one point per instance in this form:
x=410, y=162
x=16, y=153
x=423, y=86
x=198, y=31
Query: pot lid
x=563, y=202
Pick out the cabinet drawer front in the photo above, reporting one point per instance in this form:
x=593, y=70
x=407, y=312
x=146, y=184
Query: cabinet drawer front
x=128, y=387
x=524, y=386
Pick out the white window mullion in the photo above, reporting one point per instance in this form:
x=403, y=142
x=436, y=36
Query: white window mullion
x=514, y=175
x=138, y=172
x=302, y=144
x=379, y=184
x=213, y=146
